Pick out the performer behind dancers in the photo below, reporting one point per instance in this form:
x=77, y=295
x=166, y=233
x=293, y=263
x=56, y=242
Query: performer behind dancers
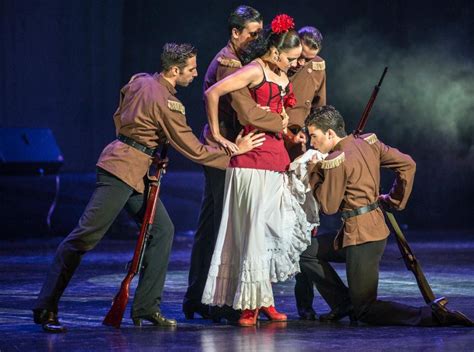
x=309, y=86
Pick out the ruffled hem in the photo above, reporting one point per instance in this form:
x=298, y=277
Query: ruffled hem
x=250, y=289
x=251, y=270
x=248, y=295
x=219, y=291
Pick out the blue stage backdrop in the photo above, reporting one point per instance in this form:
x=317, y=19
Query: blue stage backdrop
x=63, y=63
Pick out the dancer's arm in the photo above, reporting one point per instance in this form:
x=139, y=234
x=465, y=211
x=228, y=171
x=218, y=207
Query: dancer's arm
x=251, y=74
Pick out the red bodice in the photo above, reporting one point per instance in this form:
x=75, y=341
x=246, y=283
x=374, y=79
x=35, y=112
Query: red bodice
x=272, y=154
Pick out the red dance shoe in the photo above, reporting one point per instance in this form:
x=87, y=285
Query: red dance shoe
x=272, y=314
x=248, y=317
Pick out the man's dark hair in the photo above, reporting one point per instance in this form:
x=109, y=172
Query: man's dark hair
x=311, y=37
x=325, y=118
x=241, y=16
x=176, y=55
x=268, y=39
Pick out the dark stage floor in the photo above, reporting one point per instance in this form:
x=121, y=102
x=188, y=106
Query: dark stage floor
x=447, y=258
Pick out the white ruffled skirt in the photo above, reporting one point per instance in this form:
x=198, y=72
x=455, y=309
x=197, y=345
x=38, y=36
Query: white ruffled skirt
x=263, y=231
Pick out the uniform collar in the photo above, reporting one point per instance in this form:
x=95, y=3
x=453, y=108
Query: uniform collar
x=343, y=142
x=306, y=66
x=231, y=52
x=164, y=82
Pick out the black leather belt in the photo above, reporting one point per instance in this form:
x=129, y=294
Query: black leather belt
x=132, y=143
x=359, y=211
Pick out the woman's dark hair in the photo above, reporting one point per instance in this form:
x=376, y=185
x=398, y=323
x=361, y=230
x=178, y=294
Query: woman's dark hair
x=242, y=15
x=267, y=39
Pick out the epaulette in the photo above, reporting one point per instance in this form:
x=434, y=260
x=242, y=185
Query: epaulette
x=176, y=106
x=370, y=138
x=318, y=65
x=135, y=76
x=224, y=61
x=334, y=162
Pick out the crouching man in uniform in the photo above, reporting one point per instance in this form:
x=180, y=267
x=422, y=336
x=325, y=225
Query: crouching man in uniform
x=348, y=181
x=148, y=115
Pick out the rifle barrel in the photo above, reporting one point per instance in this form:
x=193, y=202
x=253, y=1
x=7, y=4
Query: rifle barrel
x=383, y=76
x=368, y=107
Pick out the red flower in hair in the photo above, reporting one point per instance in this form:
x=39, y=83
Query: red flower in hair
x=290, y=100
x=282, y=23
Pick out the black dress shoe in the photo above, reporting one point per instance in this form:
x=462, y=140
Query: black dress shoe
x=190, y=307
x=48, y=320
x=225, y=312
x=337, y=314
x=446, y=317
x=156, y=319
x=307, y=313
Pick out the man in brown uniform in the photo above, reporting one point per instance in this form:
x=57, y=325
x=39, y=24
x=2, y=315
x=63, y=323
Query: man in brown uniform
x=244, y=25
x=148, y=115
x=348, y=181
x=309, y=86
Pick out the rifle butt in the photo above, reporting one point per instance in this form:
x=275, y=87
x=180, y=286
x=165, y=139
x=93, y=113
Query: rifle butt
x=410, y=260
x=115, y=315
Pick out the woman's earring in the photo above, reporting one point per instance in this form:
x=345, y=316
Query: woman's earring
x=276, y=55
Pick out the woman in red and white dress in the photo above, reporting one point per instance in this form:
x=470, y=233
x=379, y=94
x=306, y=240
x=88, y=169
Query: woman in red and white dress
x=263, y=229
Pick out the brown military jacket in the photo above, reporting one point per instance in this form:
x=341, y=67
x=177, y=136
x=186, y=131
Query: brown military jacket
x=150, y=114
x=237, y=108
x=309, y=87
x=222, y=65
x=349, y=178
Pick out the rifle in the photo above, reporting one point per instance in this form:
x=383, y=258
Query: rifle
x=412, y=263
x=408, y=256
x=368, y=107
x=115, y=315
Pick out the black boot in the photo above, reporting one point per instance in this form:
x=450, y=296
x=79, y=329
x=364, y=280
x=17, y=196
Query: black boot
x=337, y=314
x=446, y=317
x=156, y=319
x=225, y=312
x=307, y=313
x=48, y=320
x=190, y=307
